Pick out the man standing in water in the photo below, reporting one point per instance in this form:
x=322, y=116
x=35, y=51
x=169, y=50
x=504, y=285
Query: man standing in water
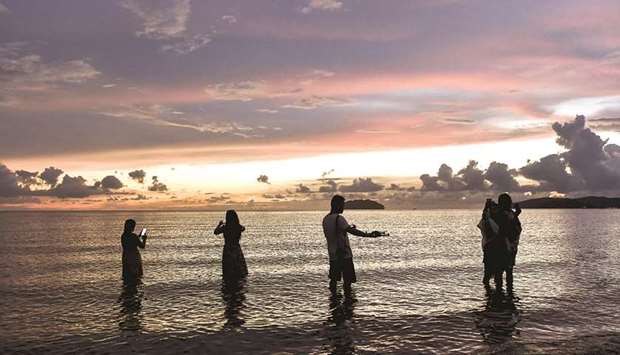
x=336, y=229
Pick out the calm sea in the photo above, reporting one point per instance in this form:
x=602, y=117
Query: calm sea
x=418, y=290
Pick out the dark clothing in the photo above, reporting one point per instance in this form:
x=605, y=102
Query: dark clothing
x=132, y=261
x=233, y=260
x=342, y=268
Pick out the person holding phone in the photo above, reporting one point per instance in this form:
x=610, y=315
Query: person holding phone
x=132, y=260
x=336, y=229
x=233, y=260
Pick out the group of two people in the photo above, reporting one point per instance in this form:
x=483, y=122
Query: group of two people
x=233, y=261
x=501, y=231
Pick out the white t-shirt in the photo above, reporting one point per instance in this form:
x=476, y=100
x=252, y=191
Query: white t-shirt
x=336, y=235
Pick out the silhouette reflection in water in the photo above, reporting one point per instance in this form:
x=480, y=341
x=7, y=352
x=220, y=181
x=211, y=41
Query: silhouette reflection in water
x=497, y=323
x=338, y=325
x=233, y=295
x=130, y=302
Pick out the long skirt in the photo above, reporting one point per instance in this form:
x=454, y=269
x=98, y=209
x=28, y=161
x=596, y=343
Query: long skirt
x=233, y=262
x=132, y=266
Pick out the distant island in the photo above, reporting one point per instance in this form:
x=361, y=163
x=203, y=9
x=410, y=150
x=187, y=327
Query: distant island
x=583, y=202
x=363, y=205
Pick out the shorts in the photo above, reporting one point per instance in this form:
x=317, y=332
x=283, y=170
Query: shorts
x=342, y=268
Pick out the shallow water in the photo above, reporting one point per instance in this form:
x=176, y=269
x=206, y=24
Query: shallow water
x=418, y=290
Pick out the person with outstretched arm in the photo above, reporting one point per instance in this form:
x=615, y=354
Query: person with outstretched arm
x=336, y=229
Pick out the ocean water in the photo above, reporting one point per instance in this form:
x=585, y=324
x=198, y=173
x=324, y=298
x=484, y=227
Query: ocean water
x=419, y=290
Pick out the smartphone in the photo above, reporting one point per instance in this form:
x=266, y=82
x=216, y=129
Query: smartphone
x=143, y=232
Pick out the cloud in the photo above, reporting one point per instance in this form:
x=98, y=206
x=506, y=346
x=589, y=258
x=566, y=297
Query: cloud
x=430, y=183
x=327, y=173
x=111, y=182
x=218, y=199
x=9, y=186
x=230, y=19
x=237, y=91
x=331, y=186
x=25, y=74
x=161, y=115
x=157, y=186
x=588, y=163
x=188, y=45
x=322, y=5
x=73, y=187
x=316, y=101
x=586, y=155
x=263, y=179
x=302, y=189
x=551, y=172
x=473, y=177
x=501, y=177
x=162, y=19
x=361, y=185
x=274, y=196
x=27, y=178
x=138, y=175
x=267, y=110
x=4, y=9
x=50, y=175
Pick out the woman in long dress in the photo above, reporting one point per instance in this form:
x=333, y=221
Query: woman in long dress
x=233, y=261
x=132, y=261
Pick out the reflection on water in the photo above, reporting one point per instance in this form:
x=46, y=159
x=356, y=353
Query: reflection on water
x=339, y=323
x=130, y=302
x=497, y=322
x=59, y=285
x=233, y=295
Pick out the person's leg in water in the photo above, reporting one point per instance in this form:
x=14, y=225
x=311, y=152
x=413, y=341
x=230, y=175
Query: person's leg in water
x=487, y=275
x=509, y=278
x=333, y=285
x=498, y=277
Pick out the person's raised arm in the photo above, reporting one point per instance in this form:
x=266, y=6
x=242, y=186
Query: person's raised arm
x=353, y=230
x=220, y=228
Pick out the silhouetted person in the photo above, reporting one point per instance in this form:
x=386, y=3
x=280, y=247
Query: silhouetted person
x=335, y=228
x=500, y=228
x=510, y=230
x=132, y=261
x=233, y=261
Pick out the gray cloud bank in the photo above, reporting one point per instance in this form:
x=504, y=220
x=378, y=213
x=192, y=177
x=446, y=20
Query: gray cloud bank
x=588, y=163
x=22, y=183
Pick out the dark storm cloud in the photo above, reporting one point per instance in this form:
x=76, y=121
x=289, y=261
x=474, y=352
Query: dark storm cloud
x=138, y=175
x=501, y=177
x=157, y=186
x=50, y=175
x=73, y=187
x=263, y=179
x=468, y=178
x=586, y=155
x=27, y=178
x=111, y=182
x=18, y=183
x=589, y=163
x=361, y=185
x=551, y=172
x=8, y=183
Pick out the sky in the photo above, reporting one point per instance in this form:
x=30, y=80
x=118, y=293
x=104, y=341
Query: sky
x=279, y=104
